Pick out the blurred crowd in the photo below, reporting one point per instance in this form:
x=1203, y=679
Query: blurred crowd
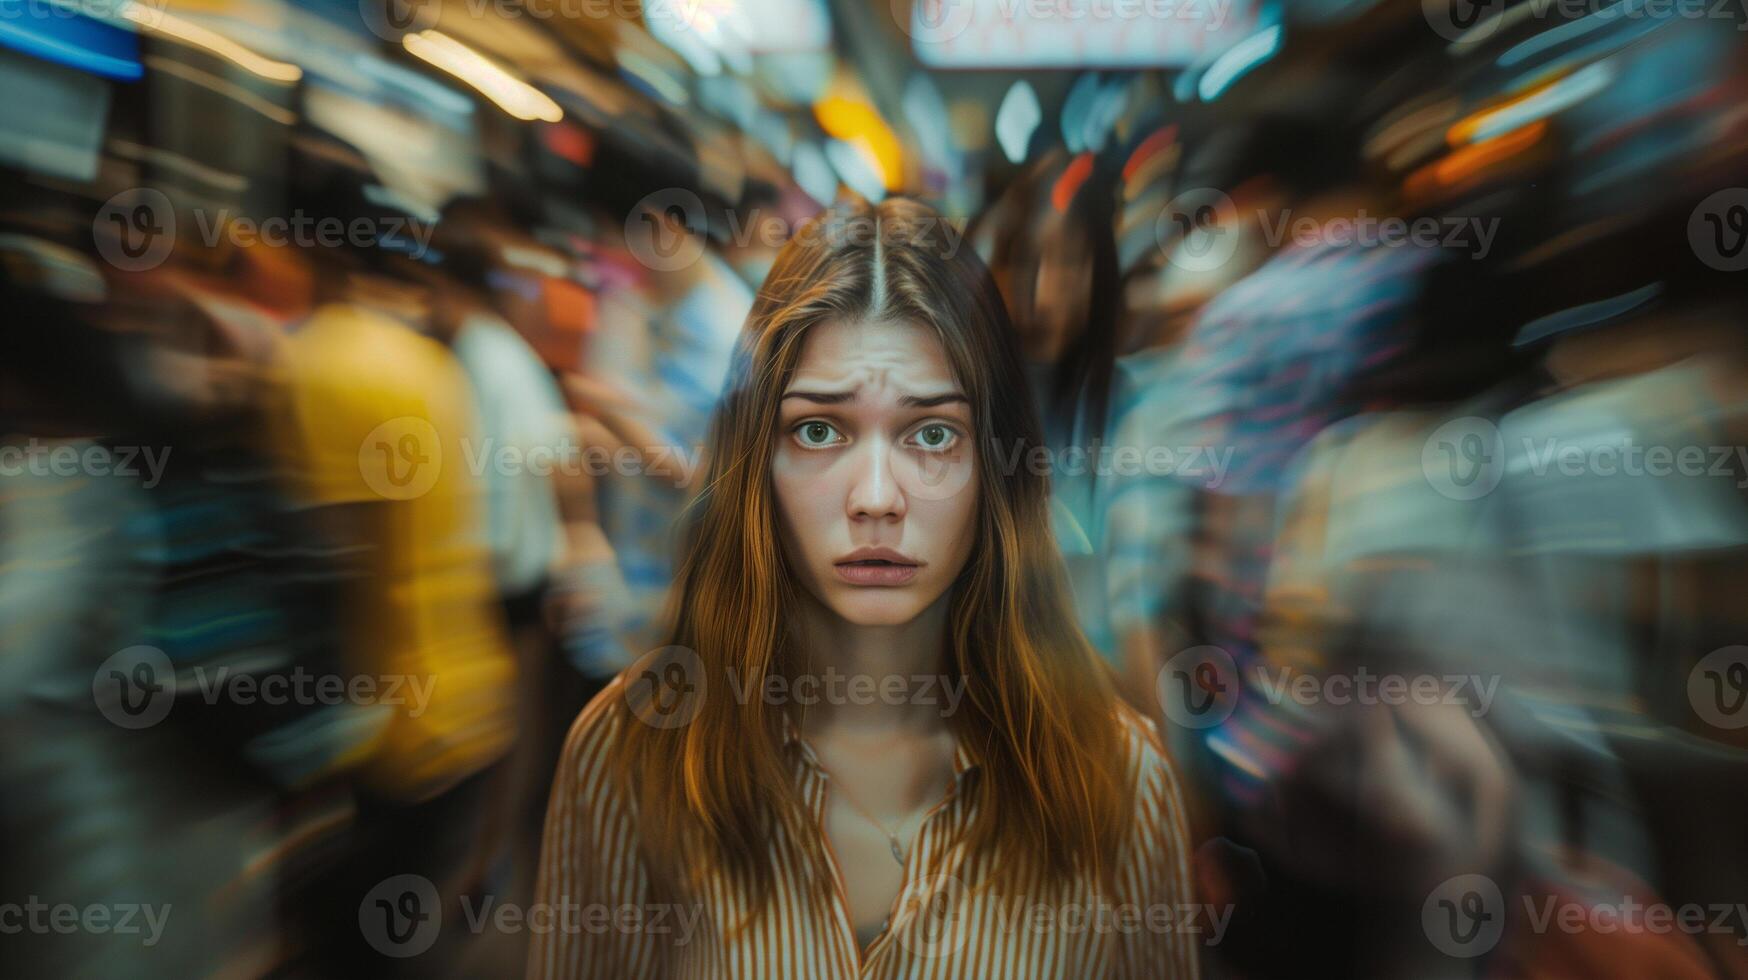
x=358, y=361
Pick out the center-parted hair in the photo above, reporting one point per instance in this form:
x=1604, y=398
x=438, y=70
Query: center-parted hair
x=1039, y=714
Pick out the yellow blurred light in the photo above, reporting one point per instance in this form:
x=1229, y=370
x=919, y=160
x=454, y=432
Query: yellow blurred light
x=860, y=125
x=159, y=21
x=511, y=94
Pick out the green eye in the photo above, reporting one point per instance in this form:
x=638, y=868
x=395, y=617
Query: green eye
x=935, y=438
x=815, y=434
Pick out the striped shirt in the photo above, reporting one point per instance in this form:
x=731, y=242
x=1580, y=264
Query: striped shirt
x=946, y=921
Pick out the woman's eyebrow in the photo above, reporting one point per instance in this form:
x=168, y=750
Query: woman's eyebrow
x=931, y=401
x=821, y=397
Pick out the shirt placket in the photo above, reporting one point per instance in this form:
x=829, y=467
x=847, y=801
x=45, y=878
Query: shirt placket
x=815, y=781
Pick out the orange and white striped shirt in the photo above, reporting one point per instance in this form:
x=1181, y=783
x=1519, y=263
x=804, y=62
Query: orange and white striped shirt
x=946, y=922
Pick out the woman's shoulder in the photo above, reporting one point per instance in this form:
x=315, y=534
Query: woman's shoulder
x=590, y=746
x=1150, y=769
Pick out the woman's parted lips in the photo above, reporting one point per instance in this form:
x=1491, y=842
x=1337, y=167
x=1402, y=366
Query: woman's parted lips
x=877, y=556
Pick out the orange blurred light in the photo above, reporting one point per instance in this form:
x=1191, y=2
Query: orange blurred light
x=1469, y=162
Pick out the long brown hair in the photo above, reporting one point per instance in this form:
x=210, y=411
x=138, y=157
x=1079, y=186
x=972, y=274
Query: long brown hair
x=1039, y=714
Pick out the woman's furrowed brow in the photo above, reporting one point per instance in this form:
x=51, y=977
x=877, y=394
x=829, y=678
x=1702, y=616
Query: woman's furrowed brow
x=931, y=401
x=908, y=401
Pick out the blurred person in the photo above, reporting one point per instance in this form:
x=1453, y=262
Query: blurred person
x=1269, y=363
x=375, y=423
x=653, y=372
x=167, y=559
x=1054, y=256
x=546, y=545
x=855, y=520
x=1150, y=516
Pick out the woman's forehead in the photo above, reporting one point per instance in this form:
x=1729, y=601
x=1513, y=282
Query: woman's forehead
x=904, y=356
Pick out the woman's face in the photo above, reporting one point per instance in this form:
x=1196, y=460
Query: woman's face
x=875, y=471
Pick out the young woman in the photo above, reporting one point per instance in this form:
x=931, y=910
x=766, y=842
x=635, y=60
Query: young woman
x=878, y=745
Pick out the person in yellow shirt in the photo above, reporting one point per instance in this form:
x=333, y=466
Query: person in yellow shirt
x=379, y=414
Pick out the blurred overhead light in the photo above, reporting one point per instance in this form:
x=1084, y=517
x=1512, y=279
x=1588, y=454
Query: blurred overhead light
x=154, y=19
x=1075, y=110
x=1017, y=119
x=511, y=94
x=1539, y=103
x=1009, y=34
x=1238, y=61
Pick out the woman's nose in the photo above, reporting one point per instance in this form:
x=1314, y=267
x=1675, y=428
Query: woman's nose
x=874, y=490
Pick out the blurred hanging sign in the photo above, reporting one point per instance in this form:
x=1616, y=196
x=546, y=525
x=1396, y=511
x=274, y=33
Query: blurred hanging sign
x=713, y=34
x=1072, y=33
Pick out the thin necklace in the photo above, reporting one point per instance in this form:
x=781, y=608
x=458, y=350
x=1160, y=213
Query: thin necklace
x=892, y=838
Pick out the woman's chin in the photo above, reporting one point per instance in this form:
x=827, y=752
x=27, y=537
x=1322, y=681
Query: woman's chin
x=877, y=607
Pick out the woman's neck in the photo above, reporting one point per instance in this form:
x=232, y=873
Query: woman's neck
x=869, y=678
